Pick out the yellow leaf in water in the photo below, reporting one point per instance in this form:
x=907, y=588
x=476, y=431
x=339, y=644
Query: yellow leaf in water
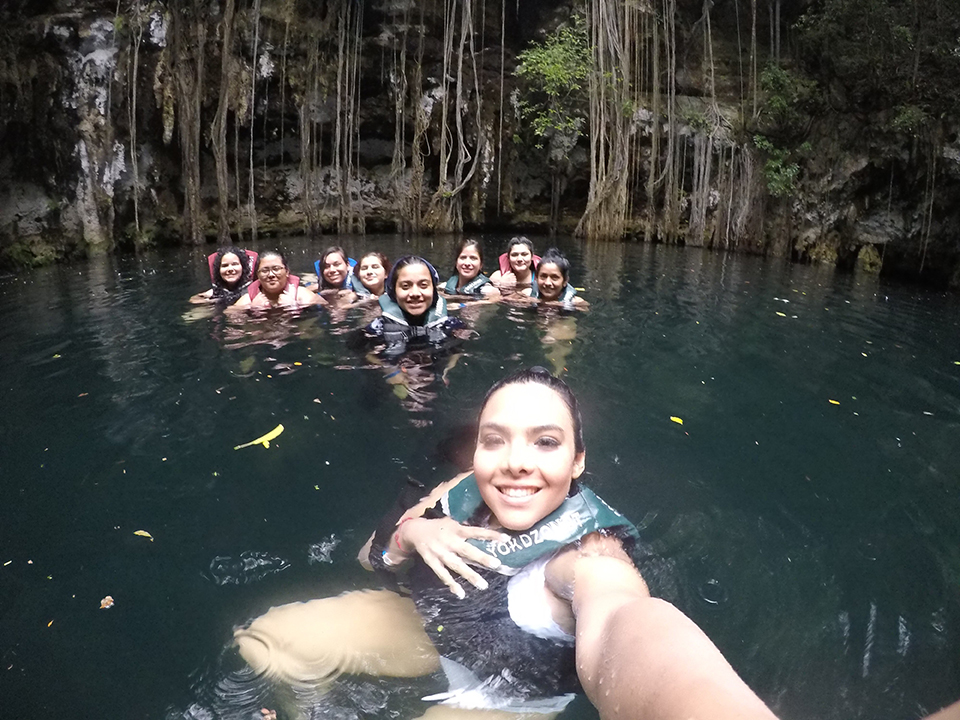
x=781, y=314
x=834, y=402
x=263, y=439
x=678, y=421
x=144, y=533
x=50, y=623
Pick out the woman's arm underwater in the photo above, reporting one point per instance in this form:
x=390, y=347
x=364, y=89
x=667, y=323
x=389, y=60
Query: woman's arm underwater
x=202, y=297
x=638, y=657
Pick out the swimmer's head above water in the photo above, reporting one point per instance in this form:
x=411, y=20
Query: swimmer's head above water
x=413, y=285
x=553, y=274
x=468, y=262
x=334, y=267
x=231, y=268
x=529, y=447
x=272, y=272
x=520, y=254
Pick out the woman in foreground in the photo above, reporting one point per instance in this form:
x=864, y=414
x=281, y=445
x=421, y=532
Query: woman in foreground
x=523, y=591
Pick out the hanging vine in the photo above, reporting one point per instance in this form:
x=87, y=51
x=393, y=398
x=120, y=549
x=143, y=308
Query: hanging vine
x=219, y=129
x=189, y=41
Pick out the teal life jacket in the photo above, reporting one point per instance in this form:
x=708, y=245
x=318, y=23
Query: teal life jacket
x=566, y=297
x=471, y=288
x=578, y=515
x=353, y=283
x=397, y=332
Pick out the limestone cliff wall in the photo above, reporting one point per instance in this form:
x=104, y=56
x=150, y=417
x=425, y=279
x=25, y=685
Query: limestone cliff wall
x=175, y=121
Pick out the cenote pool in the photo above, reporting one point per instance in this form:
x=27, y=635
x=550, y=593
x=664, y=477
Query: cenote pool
x=805, y=513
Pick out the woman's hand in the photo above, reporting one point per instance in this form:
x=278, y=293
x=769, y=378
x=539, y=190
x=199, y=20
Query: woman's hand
x=442, y=543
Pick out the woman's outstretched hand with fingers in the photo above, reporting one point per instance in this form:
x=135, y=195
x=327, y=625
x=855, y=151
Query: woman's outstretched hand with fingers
x=442, y=543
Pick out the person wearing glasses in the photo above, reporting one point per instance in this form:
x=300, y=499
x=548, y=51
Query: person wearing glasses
x=275, y=286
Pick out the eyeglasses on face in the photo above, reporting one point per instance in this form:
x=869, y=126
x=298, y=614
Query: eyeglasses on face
x=267, y=271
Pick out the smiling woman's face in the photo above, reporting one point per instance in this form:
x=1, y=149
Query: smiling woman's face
x=550, y=281
x=371, y=273
x=520, y=259
x=230, y=268
x=414, y=289
x=335, y=269
x=272, y=274
x=468, y=263
x=526, y=456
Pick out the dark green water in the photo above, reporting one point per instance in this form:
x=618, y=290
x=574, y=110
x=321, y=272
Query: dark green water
x=818, y=544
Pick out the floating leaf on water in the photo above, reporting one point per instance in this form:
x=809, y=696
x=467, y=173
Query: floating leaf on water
x=781, y=314
x=263, y=439
x=144, y=533
x=317, y=401
x=7, y=562
x=106, y=603
x=678, y=421
x=834, y=402
x=298, y=364
x=50, y=623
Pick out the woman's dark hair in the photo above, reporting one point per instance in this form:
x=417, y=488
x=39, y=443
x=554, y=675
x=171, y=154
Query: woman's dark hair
x=555, y=257
x=463, y=246
x=391, y=284
x=272, y=253
x=324, y=285
x=378, y=255
x=520, y=240
x=542, y=376
x=246, y=272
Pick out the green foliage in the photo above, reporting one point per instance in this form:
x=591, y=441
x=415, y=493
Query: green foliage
x=910, y=119
x=781, y=173
x=554, y=95
x=697, y=121
x=559, y=65
x=787, y=96
x=887, y=53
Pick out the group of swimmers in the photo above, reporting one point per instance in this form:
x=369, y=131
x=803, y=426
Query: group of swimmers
x=242, y=278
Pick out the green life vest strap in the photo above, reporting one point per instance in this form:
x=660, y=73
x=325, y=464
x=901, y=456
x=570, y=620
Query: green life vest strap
x=390, y=310
x=569, y=292
x=471, y=288
x=579, y=515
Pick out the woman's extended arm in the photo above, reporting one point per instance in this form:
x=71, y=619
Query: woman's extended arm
x=202, y=297
x=640, y=658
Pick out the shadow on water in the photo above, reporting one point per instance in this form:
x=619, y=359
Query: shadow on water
x=804, y=512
